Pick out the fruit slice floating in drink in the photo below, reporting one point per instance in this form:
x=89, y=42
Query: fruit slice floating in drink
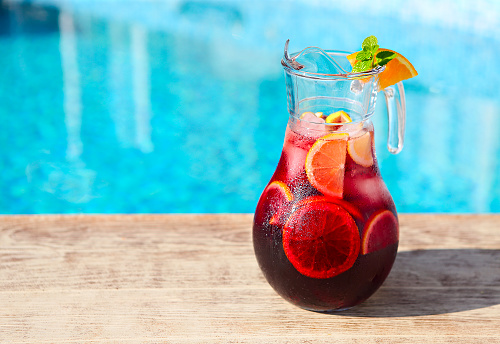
x=321, y=240
x=276, y=199
x=325, y=164
x=338, y=117
x=380, y=231
x=320, y=114
x=313, y=116
x=282, y=197
x=360, y=149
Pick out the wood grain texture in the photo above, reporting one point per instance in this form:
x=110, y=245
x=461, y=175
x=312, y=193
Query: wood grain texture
x=194, y=279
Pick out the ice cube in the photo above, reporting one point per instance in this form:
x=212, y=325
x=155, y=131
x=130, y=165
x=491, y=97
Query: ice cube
x=310, y=125
x=312, y=117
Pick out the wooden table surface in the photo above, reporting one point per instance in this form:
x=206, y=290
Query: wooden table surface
x=194, y=279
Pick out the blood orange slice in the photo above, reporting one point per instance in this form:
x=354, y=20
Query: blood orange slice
x=277, y=196
x=321, y=240
x=325, y=164
x=381, y=230
x=360, y=149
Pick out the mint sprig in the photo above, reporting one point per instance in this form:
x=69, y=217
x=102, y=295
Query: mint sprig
x=369, y=58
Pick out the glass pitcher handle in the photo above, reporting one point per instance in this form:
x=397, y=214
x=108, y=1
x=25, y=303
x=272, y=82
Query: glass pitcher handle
x=396, y=113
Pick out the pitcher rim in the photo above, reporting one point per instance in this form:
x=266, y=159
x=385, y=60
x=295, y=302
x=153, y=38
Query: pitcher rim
x=324, y=76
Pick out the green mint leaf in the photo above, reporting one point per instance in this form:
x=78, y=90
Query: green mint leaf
x=370, y=43
x=364, y=55
x=362, y=66
x=383, y=57
x=386, y=54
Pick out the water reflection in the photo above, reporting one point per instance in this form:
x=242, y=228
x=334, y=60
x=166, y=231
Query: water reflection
x=71, y=86
x=141, y=88
x=73, y=181
x=121, y=106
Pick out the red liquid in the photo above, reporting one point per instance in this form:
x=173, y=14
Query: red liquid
x=364, y=197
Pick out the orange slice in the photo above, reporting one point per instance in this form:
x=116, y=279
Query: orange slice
x=381, y=231
x=338, y=117
x=398, y=69
x=325, y=164
x=360, y=149
x=321, y=240
x=279, y=196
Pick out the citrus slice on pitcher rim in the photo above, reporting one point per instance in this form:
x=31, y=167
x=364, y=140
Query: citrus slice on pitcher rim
x=325, y=164
x=396, y=70
x=381, y=230
x=360, y=149
x=321, y=240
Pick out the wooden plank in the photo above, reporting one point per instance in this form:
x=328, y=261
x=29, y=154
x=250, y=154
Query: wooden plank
x=211, y=314
x=193, y=278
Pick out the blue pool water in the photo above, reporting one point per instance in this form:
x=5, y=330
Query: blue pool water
x=180, y=106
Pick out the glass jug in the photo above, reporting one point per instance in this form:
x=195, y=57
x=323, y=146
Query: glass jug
x=325, y=229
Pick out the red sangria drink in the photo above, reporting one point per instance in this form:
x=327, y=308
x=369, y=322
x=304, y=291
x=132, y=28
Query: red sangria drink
x=325, y=229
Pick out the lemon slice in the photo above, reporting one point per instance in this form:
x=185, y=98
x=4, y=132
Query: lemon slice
x=360, y=149
x=338, y=117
